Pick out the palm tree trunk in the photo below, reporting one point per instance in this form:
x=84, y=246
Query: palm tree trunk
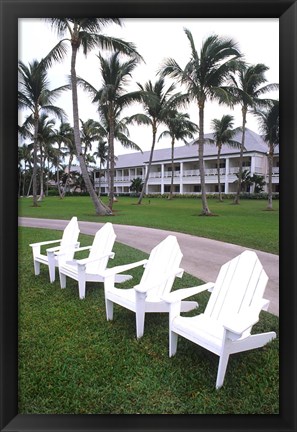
x=67, y=177
x=205, y=209
x=100, y=208
x=149, y=165
x=236, y=199
x=270, y=162
x=219, y=176
x=35, y=160
x=99, y=181
x=172, y=168
x=41, y=175
x=111, y=155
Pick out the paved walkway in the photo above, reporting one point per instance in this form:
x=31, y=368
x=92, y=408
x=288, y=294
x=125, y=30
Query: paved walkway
x=202, y=257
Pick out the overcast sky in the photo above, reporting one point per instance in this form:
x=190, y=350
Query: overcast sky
x=155, y=40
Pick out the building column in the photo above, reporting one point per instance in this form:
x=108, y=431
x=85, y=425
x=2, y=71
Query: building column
x=227, y=175
x=145, y=174
x=181, y=184
x=162, y=179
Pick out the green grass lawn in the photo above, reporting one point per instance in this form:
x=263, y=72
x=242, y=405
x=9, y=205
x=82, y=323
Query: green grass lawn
x=72, y=361
x=247, y=224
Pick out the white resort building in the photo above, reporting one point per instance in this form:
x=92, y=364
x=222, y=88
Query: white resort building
x=186, y=168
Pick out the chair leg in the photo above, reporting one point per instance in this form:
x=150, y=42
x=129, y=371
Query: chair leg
x=81, y=287
x=173, y=337
x=62, y=280
x=51, y=267
x=224, y=357
x=109, y=309
x=36, y=268
x=140, y=313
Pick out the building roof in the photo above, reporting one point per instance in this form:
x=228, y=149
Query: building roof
x=253, y=143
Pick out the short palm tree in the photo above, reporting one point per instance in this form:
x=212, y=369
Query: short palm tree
x=158, y=102
x=136, y=185
x=269, y=126
x=34, y=95
x=203, y=77
x=86, y=33
x=112, y=98
x=179, y=128
x=223, y=134
x=247, y=85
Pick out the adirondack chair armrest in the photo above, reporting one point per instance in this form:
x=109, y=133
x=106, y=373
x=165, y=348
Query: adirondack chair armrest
x=122, y=268
x=180, y=294
x=45, y=243
x=265, y=304
x=83, y=248
x=85, y=261
x=53, y=249
x=144, y=288
x=239, y=324
x=58, y=253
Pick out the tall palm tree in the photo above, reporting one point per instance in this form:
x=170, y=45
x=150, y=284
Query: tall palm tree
x=269, y=126
x=112, y=98
x=46, y=138
x=34, y=95
x=86, y=33
x=203, y=77
x=102, y=154
x=158, y=103
x=179, y=128
x=248, y=84
x=65, y=140
x=25, y=157
x=223, y=134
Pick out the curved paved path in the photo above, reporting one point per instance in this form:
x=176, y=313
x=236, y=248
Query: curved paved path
x=202, y=257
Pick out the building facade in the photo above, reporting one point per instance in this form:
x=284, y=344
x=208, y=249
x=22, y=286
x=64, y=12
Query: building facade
x=186, y=168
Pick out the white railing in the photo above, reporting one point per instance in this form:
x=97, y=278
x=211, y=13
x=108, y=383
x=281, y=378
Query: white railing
x=190, y=173
x=275, y=170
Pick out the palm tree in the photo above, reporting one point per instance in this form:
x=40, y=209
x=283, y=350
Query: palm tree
x=112, y=99
x=86, y=33
x=269, y=126
x=203, y=77
x=102, y=154
x=179, y=128
x=89, y=134
x=223, y=134
x=34, y=94
x=25, y=156
x=136, y=185
x=46, y=137
x=246, y=180
x=66, y=144
x=246, y=90
x=158, y=103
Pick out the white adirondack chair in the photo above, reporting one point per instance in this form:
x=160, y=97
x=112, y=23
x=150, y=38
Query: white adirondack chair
x=159, y=274
x=233, y=308
x=67, y=245
x=91, y=269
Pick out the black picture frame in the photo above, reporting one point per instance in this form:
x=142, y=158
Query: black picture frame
x=11, y=11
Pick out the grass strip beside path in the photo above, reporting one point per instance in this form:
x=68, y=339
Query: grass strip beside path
x=247, y=224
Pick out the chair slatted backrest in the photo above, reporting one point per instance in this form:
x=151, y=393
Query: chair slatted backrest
x=69, y=238
x=163, y=261
x=102, y=245
x=239, y=286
